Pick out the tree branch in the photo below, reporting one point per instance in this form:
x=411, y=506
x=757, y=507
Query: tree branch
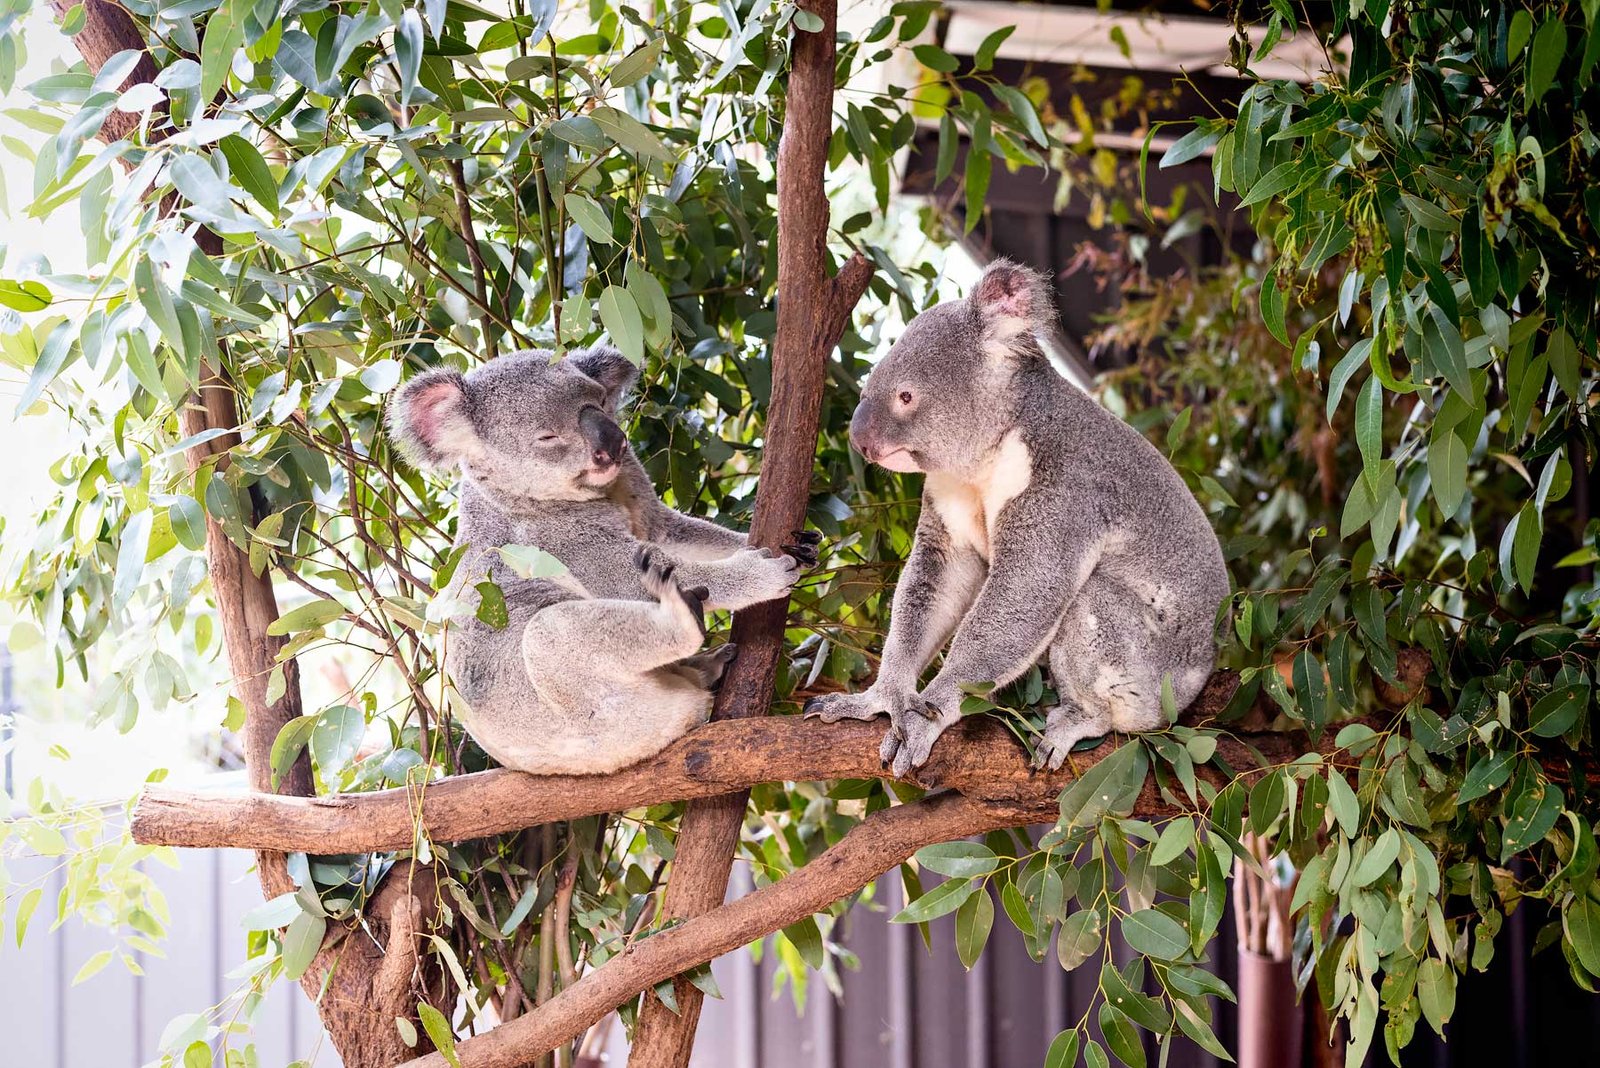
x=977, y=758
x=469, y=236
x=812, y=314
x=876, y=845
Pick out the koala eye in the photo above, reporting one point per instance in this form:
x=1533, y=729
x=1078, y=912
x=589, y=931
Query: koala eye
x=905, y=396
x=548, y=438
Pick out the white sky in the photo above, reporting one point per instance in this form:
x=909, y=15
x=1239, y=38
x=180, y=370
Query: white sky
x=30, y=444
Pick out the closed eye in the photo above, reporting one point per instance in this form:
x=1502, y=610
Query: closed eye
x=547, y=438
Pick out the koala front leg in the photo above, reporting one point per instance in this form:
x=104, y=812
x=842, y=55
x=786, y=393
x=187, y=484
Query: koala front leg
x=935, y=589
x=749, y=576
x=621, y=636
x=689, y=537
x=1037, y=568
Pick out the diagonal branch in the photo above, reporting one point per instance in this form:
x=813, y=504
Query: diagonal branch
x=876, y=845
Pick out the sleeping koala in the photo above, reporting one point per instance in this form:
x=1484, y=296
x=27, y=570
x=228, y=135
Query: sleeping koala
x=1049, y=527
x=599, y=668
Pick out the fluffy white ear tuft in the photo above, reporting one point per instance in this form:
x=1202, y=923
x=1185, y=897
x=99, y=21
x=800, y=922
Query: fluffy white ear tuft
x=1014, y=299
x=430, y=419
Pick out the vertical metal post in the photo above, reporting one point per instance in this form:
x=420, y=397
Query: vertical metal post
x=9, y=707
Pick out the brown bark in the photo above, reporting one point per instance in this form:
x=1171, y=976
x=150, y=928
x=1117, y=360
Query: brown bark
x=977, y=757
x=368, y=985
x=813, y=311
x=109, y=30
x=873, y=847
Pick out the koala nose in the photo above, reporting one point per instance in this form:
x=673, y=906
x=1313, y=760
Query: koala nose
x=604, y=437
x=862, y=435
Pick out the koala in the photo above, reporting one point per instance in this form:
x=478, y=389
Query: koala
x=1049, y=528
x=600, y=667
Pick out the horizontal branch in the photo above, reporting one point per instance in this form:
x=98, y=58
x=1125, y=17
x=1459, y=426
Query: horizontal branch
x=871, y=848
x=978, y=758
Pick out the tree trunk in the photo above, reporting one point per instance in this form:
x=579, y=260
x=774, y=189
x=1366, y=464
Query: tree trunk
x=359, y=987
x=813, y=311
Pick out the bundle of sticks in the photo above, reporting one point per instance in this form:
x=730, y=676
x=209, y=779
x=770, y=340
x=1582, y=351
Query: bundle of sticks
x=1261, y=905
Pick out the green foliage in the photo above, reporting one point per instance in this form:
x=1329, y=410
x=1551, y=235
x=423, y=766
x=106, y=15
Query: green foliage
x=1427, y=216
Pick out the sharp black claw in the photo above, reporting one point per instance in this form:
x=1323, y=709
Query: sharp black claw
x=804, y=547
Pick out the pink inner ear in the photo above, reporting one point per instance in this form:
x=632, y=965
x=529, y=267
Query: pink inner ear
x=1006, y=291
x=430, y=408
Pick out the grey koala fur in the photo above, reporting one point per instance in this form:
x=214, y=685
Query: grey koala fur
x=1049, y=528
x=601, y=667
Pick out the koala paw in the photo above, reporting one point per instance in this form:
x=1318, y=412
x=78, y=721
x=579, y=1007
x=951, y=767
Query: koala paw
x=911, y=735
x=657, y=574
x=806, y=547
x=832, y=707
x=771, y=574
x=884, y=696
x=1063, y=734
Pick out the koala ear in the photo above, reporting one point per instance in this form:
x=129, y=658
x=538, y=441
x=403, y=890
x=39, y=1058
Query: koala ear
x=430, y=418
x=614, y=371
x=1014, y=299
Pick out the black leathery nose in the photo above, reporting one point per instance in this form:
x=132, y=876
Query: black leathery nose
x=603, y=435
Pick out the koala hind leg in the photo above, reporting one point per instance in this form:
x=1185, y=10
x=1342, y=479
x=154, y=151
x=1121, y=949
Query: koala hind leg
x=608, y=668
x=705, y=670
x=610, y=639
x=1107, y=661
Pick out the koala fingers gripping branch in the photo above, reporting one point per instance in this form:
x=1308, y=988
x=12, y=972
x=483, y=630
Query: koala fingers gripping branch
x=600, y=666
x=1049, y=528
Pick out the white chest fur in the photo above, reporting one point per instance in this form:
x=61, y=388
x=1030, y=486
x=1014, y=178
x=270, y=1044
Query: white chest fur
x=969, y=506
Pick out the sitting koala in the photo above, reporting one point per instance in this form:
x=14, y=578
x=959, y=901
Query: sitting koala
x=599, y=668
x=1049, y=527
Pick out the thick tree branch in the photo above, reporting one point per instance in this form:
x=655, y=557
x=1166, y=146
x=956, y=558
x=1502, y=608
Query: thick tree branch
x=813, y=311
x=873, y=847
x=977, y=758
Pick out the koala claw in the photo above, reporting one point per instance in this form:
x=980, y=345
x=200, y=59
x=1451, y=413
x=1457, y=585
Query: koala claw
x=832, y=707
x=1058, y=745
x=909, y=742
x=654, y=565
x=806, y=546
x=1047, y=757
x=657, y=571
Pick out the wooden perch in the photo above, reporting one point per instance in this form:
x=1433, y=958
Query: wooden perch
x=977, y=758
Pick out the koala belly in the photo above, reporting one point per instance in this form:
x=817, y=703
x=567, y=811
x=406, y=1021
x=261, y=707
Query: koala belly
x=574, y=719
